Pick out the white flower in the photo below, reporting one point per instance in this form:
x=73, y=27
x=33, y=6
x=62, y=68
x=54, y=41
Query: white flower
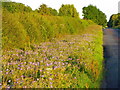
x=9, y=80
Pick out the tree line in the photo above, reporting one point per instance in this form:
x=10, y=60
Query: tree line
x=90, y=12
x=114, y=21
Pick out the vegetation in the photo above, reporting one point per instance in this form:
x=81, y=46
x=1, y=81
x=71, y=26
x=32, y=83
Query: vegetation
x=16, y=7
x=44, y=10
x=114, y=21
x=74, y=61
x=68, y=10
x=35, y=28
x=93, y=13
x=47, y=51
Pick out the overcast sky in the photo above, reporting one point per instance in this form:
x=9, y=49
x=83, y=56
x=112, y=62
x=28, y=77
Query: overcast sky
x=109, y=7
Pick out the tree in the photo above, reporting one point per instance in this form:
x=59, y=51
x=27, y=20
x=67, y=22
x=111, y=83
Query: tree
x=53, y=12
x=16, y=7
x=93, y=13
x=114, y=20
x=68, y=10
x=44, y=10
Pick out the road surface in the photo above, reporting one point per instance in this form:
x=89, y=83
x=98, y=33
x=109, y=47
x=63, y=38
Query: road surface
x=111, y=39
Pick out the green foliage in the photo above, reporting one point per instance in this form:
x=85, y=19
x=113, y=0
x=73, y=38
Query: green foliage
x=93, y=13
x=40, y=50
x=44, y=10
x=34, y=28
x=68, y=10
x=74, y=61
x=13, y=32
x=53, y=12
x=16, y=7
x=114, y=21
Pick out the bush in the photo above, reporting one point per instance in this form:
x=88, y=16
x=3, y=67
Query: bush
x=31, y=27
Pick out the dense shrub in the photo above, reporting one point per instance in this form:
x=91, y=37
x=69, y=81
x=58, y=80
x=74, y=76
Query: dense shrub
x=114, y=21
x=33, y=28
x=16, y=7
x=45, y=10
x=73, y=61
x=43, y=51
x=68, y=10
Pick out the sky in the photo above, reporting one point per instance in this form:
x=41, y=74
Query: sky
x=109, y=7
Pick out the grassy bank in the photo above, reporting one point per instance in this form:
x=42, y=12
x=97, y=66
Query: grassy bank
x=27, y=28
x=73, y=61
x=50, y=51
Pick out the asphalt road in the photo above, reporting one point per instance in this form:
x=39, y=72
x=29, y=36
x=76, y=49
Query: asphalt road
x=111, y=51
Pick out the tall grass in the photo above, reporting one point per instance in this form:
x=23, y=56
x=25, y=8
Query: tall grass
x=31, y=27
x=51, y=51
x=74, y=61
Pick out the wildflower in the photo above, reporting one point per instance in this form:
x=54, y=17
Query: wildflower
x=55, y=62
x=30, y=62
x=9, y=80
x=38, y=63
x=42, y=75
x=47, y=64
x=8, y=87
x=18, y=68
x=50, y=78
x=19, y=65
x=69, y=58
x=22, y=76
x=1, y=71
x=51, y=86
x=75, y=78
x=63, y=64
x=50, y=82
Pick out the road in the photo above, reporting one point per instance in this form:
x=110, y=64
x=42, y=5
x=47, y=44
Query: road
x=111, y=44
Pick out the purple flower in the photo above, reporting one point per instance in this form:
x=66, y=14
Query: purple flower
x=55, y=62
x=38, y=63
x=69, y=58
x=55, y=67
x=19, y=65
x=47, y=64
x=30, y=62
x=42, y=75
x=50, y=82
x=18, y=68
